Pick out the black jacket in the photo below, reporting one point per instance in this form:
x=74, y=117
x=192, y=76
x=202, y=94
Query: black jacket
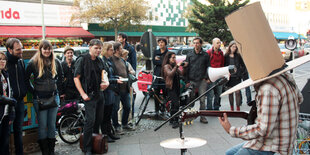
x=132, y=55
x=157, y=63
x=238, y=62
x=198, y=64
x=41, y=82
x=11, y=109
x=16, y=70
x=68, y=72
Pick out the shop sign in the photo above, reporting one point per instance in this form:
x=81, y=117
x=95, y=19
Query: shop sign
x=23, y=13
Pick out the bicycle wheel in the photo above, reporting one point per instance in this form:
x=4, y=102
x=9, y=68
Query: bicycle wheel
x=70, y=129
x=142, y=107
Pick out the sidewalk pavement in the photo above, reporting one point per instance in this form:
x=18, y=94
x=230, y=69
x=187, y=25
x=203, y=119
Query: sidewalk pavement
x=147, y=142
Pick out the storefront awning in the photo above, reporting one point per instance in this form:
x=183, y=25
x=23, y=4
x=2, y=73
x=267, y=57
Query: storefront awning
x=285, y=35
x=139, y=34
x=36, y=32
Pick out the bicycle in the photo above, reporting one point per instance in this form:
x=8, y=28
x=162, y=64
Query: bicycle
x=164, y=102
x=71, y=125
x=302, y=143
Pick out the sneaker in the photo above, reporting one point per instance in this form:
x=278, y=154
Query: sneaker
x=119, y=131
x=110, y=140
x=203, y=120
x=127, y=127
x=114, y=137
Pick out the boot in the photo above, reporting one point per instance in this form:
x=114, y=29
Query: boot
x=232, y=108
x=114, y=137
x=238, y=108
x=43, y=146
x=51, y=145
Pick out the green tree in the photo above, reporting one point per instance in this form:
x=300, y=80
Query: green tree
x=112, y=14
x=209, y=20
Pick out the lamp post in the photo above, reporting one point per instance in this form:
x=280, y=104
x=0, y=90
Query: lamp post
x=43, y=26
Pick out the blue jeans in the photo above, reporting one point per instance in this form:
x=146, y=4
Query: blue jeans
x=214, y=94
x=46, y=119
x=248, y=94
x=124, y=97
x=17, y=126
x=238, y=150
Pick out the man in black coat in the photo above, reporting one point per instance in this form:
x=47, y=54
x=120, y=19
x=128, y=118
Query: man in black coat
x=16, y=70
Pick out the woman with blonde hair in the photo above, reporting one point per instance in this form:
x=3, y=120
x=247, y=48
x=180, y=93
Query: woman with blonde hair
x=47, y=85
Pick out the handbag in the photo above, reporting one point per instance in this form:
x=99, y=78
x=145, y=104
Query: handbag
x=99, y=141
x=47, y=103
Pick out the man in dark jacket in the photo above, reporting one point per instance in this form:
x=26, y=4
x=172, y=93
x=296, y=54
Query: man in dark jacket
x=87, y=79
x=132, y=56
x=16, y=70
x=197, y=63
x=157, y=62
x=69, y=89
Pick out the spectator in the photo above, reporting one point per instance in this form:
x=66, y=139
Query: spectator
x=196, y=64
x=16, y=71
x=132, y=56
x=7, y=104
x=248, y=94
x=232, y=57
x=158, y=57
x=171, y=74
x=121, y=70
x=48, y=76
x=85, y=44
x=216, y=61
x=109, y=93
x=87, y=79
x=69, y=89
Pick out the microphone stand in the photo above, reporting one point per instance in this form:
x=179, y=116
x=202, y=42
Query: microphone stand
x=183, y=150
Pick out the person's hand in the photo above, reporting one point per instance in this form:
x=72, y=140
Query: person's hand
x=225, y=123
x=185, y=64
x=104, y=85
x=207, y=80
x=157, y=57
x=187, y=85
x=62, y=97
x=119, y=81
x=85, y=97
x=179, y=64
x=10, y=122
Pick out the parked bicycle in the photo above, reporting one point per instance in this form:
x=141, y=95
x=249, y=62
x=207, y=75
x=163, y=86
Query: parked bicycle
x=70, y=124
x=164, y=102
x=302, y=144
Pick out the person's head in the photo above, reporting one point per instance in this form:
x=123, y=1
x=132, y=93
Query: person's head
x=162, y=43
x=68, y=53
x=107, y=49
x=14, y=47
x=45, y=57
x=95, y=47
x=117, y=49
x=3, y=61
x=197, y=43
x=125, y=54
x=216, y=43
x=170, y=58
x=122, y=37
x=232, y=48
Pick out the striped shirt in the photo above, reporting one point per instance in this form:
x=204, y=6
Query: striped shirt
x=277, y=117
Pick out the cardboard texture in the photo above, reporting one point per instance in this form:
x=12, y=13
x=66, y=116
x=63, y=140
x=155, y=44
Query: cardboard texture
x=255, y=40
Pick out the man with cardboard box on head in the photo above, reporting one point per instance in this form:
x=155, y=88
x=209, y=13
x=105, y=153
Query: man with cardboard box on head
x=277, y=96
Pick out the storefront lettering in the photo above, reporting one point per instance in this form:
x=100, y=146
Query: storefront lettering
x=9, y=14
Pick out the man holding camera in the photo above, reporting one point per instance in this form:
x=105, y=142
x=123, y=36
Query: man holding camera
x=197, y=63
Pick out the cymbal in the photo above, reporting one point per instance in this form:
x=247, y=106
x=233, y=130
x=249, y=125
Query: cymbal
x=178, y=143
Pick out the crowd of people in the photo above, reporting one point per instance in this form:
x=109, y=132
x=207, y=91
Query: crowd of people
x=103, y=79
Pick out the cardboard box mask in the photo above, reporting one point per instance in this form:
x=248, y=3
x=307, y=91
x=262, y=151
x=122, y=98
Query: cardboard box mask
x=255, y=40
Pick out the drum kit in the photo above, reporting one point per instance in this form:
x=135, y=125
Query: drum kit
x=183, y=144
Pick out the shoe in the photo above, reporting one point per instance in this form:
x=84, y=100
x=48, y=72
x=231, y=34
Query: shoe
x=127, y=127
x=110, y=140
x=114, y=137
x=88, y=153
x=175, y=125
x=203, y=120
x=119, y=131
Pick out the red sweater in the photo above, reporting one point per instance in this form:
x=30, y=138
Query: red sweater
x=216, y=58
